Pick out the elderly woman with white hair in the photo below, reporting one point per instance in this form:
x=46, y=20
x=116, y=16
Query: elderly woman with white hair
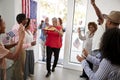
x=53, y=44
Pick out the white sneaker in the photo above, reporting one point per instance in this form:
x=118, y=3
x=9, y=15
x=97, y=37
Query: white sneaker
x=28, y=78
x=31, y=75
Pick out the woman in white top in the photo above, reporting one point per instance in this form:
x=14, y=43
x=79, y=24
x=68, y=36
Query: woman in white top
x=28, y=45
x=92, y=27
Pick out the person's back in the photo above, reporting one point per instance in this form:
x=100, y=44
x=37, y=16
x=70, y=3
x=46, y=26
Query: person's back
x=18, y=67
x=21, y=19
x=107, y=71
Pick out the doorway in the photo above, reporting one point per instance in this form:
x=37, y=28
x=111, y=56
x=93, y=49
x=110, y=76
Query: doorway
x=50, y=9
x=73, y=14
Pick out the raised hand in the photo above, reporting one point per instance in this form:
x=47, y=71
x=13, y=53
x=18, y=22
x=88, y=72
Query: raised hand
x=78, y=30
x=85, y=52
x=79, y=58
x=92, y=2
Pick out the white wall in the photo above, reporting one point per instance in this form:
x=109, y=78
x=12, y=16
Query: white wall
x=17, y=8
x=7, y=12
x=105, y=6
x=9, y=9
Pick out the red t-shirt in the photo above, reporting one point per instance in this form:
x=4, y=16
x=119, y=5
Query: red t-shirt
x=54, y=39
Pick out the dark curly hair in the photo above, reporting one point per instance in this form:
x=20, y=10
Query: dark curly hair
x=20, y=17
x=92, y=24
x=110, y=45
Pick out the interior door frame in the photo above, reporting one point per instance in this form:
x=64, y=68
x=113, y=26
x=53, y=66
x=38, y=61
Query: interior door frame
x=68, y=38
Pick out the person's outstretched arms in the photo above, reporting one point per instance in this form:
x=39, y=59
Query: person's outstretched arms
x=10, y=45
x=98, y=12
x=93, y=59
x=17, y=52
x=80, y=35
x=100, y=74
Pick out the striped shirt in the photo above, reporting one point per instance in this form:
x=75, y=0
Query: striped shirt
x=94, y=59
x=106, y=70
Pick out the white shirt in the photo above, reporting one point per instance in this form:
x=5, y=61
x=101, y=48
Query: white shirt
x=87, y=41
x=97, y=37
x=28, y=39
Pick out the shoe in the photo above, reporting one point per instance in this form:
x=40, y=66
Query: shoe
x=53, y=69
x=83, y=76
x=31, y=75
x=43, y=59
x=87, y=78
x=28, y=78
x=48, y=74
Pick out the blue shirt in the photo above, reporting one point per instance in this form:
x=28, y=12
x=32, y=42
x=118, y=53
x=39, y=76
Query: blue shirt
x=95, y=59
x=42, y=36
